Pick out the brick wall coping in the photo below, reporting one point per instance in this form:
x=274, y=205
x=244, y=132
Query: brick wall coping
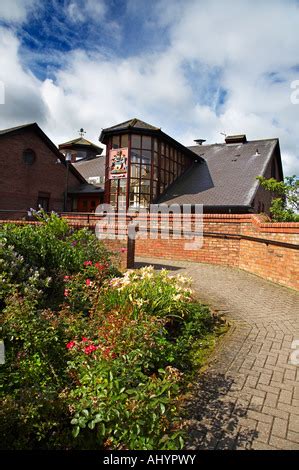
x=261, y=222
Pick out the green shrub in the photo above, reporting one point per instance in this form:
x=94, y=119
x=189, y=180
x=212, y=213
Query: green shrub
x=35, y=258
x=102, y=366
x=285, y=204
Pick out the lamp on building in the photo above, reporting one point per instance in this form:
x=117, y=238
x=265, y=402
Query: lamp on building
x=68, y=159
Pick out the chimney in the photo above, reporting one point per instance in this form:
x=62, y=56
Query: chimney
x=199, y=141
x=236, y=139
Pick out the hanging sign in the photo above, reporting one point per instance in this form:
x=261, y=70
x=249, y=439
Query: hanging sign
x=118, y=163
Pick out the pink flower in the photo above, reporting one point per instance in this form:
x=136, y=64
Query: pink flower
x=123, y=250
x=66, y=292
x=70, y=345
x=88, y=282
x=90, y=349
x=66, y=278
x=84, y=339
x=99, y=266
x=87, y=263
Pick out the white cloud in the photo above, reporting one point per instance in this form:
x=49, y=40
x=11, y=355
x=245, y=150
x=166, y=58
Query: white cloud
x=248, y=51
x=85, y=10
x=23, y=100
x=15, y=10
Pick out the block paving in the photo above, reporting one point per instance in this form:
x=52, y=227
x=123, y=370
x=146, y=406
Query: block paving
x=248, y=397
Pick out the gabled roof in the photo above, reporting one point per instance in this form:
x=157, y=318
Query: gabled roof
x=81, y=142
x=131, y=123
x=35, y=128
x=227, y=177
x=16, y=129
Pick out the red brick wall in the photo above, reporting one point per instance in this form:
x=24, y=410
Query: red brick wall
x=21, y=183
x=222, y=244
x=276, y=263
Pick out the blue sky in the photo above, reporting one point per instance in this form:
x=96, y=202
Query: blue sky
x=196, y=68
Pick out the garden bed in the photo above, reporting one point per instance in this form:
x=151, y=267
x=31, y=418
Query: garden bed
x=95, y=358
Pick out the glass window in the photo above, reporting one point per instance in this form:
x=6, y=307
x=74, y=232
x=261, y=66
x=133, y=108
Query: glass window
x=155, y=172
x=134, y=200
x=125, y=140
x=135, y=170
x=167, y=164
x=145, y=186
x=134, y=185
x=113, y=187
x=113, y=199
x=144, y=200
x=146, y=156
x=122, y=186
x=115, y=141
x=155, y=145
x=155, y=158
x=135, y=156
x=146, y=142
x=136, y=141
x=162, y=148
x=145, y=171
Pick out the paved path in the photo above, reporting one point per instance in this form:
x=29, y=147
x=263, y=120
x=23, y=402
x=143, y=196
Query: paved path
x=249, y=396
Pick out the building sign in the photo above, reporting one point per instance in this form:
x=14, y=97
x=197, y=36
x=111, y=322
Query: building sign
x=118, y=163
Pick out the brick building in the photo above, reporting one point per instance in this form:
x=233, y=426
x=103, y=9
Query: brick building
x=33, y=172
x=144, y=165
x=88, y=160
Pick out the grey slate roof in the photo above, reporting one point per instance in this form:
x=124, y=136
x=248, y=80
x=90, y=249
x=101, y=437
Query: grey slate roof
x=86, y=189
x=226, y=178
x=90, y=168
x=12, y=129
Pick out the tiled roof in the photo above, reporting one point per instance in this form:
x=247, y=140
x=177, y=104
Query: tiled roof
x=13, y=129
x=86, y=189
x=132, y=123
x=91, y=168
x=226, y=178
x=80, y=141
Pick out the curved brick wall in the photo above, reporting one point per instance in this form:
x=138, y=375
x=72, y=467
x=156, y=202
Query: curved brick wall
x=277, y=263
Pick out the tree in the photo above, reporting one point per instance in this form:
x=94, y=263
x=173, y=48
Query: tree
x=284, y=207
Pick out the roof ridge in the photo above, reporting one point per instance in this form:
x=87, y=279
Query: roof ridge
x=11, y=129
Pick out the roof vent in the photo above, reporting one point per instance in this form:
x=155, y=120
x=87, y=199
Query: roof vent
x=199, y=141
x=236, y=139
x=257, y=153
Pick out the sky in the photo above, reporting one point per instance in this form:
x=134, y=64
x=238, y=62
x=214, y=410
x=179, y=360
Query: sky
x=195, y=68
